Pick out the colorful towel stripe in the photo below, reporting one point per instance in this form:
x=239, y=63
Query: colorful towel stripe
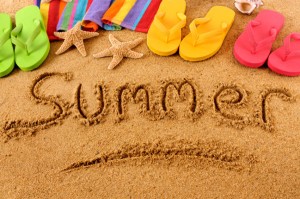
x=141, y=15
x=73, y=13
x=110, y=13
x=93, y=17
x=123, y=12
x=51, y=13
x=132, y=14
x=44, y=9
x=37, y=3
x=136, y=15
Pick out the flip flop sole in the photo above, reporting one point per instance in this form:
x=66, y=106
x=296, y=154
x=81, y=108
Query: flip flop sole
x=40, y=47
x=155, y=37
x=207, y=49
x=243, y=47
x=288, y=67
x=7, y=60
x=168, y=50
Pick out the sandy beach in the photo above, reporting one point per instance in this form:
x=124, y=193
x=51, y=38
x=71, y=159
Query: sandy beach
x=154, y=127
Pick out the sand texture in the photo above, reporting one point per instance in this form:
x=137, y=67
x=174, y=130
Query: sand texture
x=154, y=127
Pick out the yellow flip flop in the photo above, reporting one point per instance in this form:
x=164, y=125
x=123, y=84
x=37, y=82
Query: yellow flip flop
x=164, y=35
x=207, y=34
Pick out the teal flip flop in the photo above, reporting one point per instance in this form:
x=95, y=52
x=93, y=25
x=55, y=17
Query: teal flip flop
x=7, y=60
x=30, y=38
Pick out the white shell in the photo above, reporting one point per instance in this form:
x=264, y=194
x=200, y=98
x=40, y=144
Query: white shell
x=257, y=2
x=245, y=6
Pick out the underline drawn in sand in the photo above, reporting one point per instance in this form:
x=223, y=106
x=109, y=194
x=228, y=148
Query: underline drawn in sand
x=203, y=153
x=19, y=128
x=155, y=103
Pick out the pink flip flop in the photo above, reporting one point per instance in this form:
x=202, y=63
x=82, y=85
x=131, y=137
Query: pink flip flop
x=254, y=45
x=286, y=59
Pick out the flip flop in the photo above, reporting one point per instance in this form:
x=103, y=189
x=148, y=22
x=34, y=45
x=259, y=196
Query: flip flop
x=254, y=45
x=7, y=59
x=286, y=59
x=164, y=35
x=30, y=38
x=207, y=34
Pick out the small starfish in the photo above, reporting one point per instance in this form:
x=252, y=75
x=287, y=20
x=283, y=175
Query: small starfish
x=74, y=36
x=119, y=50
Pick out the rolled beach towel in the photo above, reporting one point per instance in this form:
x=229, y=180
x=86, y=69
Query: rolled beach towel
x=135, y=15
x=93, y=18
x=74, y=12
x=51, y=12
x=141, y=15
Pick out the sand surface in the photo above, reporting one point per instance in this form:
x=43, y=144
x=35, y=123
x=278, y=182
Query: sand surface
x=155, y=127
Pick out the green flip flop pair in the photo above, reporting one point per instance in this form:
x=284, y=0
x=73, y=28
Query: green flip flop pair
x=30, y=38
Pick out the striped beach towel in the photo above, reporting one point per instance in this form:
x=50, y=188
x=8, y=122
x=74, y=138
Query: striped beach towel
x=136, y=15
x=73, y=13
x=37, y=2
x=93, y=18
x=141, y=15
x=51, y=12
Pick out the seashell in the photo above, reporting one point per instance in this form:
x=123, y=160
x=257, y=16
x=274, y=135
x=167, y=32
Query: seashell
x=257, y=2
x=245, y=6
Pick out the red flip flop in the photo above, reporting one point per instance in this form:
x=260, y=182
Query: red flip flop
x=286, y=59
x=254, y=45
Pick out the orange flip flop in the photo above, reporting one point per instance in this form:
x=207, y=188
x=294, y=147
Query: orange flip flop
x=164, y=35
x=207, y=34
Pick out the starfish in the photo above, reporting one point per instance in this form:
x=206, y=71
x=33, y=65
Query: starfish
x=74, y=36
x=119, y=50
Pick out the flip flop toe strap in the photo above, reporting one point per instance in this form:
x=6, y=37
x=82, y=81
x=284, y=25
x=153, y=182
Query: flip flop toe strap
x=287, y=45
x=4, y=37
x=25, y=45
x=179, y=25
x=207, y=36
x=259, y=45
x=168, y=32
